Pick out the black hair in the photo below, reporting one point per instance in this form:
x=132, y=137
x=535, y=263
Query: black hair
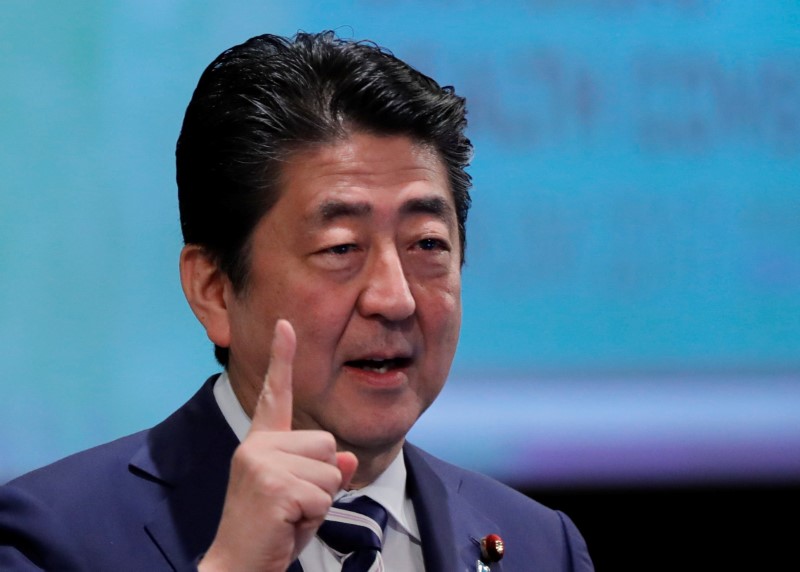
x=259, y=101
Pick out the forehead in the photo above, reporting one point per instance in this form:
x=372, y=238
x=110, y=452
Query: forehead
x=363, y=174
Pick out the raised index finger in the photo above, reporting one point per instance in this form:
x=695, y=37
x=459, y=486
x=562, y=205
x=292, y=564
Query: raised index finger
x=274, y=408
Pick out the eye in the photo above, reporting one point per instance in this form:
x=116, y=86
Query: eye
x=433, y=244
x=339, y=257
x=341, y=249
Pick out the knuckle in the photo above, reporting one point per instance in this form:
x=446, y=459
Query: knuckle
x=329, y=479
x=317, y=505
x=328, y=441
x=242, y=456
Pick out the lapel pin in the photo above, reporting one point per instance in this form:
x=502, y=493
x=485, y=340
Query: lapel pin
x=492, y=549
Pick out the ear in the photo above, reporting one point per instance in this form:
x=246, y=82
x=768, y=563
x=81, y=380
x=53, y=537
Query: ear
x=204, y=286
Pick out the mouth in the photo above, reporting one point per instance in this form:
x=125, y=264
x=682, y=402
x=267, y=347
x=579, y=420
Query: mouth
x=380, y=365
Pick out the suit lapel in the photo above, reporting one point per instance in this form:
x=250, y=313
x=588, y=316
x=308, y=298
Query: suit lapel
x=449, y=525
x=188, y=455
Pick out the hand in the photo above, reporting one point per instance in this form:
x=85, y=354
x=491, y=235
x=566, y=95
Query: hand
x=282, y=482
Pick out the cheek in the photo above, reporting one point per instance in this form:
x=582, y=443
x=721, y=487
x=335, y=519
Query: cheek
x=448, y=303
x=441, y=318
x=320, y=317
x=441, y=331
x=320, y=313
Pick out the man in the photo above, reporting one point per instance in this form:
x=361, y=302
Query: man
x=323, y=200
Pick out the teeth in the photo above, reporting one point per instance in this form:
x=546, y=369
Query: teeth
x=379, y=365
x=382, y=368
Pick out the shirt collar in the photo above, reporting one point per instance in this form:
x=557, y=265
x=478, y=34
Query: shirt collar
x=230, y=407
x=389, y=489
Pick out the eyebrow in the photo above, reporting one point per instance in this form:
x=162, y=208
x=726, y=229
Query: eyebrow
x=435, y=206
x=332, y=210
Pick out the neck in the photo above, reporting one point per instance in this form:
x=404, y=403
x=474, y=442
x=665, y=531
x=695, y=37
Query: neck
x=370, y=464
x=247, y=395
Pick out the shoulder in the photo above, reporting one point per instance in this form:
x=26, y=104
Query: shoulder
x=84, y=469
x=535, y=530
x=122, y=471
x=481, y=489
x=47, y=513
x=77, y=488
x=99, y=501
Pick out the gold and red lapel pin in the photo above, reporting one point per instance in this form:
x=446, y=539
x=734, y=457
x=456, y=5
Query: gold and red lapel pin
x=492, y=550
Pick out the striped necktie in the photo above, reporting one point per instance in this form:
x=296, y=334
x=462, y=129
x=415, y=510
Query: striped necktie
x=355, y=531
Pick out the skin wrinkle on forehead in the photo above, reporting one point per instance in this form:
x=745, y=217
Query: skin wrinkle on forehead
x=333, y=209
x=342, y=159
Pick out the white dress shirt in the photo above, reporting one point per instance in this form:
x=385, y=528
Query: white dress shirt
x=401, y=551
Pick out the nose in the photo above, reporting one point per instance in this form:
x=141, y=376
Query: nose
x=386, y=291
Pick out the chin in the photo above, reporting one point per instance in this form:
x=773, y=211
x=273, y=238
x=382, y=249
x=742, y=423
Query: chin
x=378, y=435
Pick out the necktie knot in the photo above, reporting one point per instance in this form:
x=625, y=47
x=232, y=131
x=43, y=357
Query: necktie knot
x=355, y=530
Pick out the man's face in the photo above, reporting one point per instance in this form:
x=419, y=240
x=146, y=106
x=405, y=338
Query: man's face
x=361, y=254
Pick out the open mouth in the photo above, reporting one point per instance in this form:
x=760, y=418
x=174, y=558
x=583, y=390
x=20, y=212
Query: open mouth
x=379, y=365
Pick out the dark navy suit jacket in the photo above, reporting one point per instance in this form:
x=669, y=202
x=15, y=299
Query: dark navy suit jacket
x=151, y=501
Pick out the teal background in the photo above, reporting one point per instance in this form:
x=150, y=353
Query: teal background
x=632, y=290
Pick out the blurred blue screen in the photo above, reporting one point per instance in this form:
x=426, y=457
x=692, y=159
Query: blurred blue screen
x=632, y=286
